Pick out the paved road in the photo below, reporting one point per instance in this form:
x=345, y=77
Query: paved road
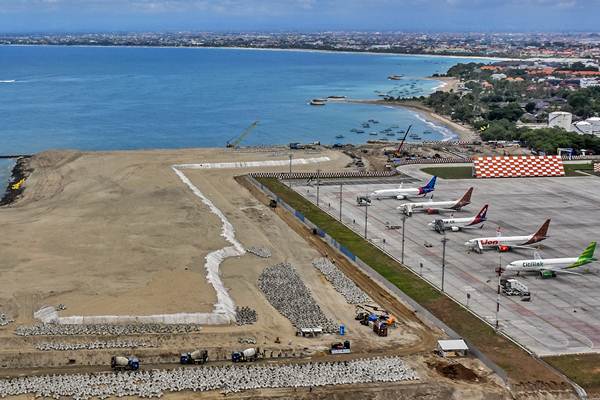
x=564, y=314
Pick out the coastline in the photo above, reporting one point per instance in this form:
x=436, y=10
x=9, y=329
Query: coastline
x=372, y=53
x=463, y=132
x=19, y=171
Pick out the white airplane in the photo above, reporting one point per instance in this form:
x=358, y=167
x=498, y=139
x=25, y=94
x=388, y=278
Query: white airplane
x=402, y=193
x=505, y=243
x=457, y=224
x=550, y=266
x=436, y=207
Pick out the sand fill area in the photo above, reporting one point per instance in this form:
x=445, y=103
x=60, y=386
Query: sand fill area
x=113, y=233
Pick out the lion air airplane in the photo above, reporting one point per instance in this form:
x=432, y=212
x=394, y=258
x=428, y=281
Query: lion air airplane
x=505, y=243
x=436, y=207
x=402, y=193
x=550, y=266
x=457, y=224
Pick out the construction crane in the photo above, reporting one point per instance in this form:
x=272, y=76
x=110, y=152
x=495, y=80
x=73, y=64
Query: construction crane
x=235, y=142
x=398, y=153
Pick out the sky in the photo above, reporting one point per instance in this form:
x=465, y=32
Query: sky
x=299, y=15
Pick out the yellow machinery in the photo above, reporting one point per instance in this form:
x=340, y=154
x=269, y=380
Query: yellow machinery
x=235, y=143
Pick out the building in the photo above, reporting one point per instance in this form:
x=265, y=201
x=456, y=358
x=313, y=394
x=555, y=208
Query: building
x=588, y=82
x=498, y=77
x=452, y=348
x=560, y=119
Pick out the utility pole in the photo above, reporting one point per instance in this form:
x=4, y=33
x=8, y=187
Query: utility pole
x=403, y=224
x=366, y=218
x=341, y=186
x=444, y=241
x=318, y=182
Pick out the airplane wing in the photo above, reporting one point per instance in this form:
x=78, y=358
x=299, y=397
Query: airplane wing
x=562, y=271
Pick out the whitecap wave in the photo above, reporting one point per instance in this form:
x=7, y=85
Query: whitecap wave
x=8, y=81
x=446, y=132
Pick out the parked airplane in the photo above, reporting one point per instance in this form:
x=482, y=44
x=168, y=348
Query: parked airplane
x=505, y=243
x=404, y=193
x=550, y=266
x=436, y=207
x=457, y=224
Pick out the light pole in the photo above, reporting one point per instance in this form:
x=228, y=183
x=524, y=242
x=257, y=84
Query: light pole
x=498, y=293
x=341, y=186
x=366, y=218
x=291, y=155
x=403, y=224
x=444, y=241
x=318, y=182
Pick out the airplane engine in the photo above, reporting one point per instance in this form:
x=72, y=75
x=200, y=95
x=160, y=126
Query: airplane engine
x=503, y=248
x=455, y=229
x=431, y=211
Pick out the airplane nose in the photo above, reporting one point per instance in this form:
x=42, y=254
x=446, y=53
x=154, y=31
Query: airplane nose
x=467, y=243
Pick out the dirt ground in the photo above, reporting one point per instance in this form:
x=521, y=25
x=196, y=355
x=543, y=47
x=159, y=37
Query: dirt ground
x=118, y=233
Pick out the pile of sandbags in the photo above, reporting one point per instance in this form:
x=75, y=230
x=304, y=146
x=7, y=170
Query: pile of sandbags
x=286, y=291
x=259, y=251
x=344, y=285
x=98, y=344
x=104, y=329
x=228, y=379
x=245, y=315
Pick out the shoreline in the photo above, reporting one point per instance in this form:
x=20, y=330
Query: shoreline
x=19, y=171
x=373, y=53
x=462, y=132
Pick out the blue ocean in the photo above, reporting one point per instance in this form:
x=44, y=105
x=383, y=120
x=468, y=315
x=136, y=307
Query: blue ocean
x=105, y=98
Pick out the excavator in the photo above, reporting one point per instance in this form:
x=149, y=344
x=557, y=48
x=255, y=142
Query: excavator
x=235, y=142
x=398, y=152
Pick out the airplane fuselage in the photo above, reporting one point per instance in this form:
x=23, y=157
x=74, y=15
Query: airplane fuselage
x=539, y=265
x=397, y=193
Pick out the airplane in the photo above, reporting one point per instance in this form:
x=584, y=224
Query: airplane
x=550, y=266
x=505, y=243
x=402, y=193
x=457, y=224
x=436, y=207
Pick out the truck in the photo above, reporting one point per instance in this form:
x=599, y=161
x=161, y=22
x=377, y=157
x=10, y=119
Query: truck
x=340, y=348
x=380, y=327
x=247, y=355
x=195, y=357
x=512, y=287
x=130, y=363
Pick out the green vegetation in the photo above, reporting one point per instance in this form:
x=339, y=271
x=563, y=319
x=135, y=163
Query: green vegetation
x=450, y=172
x=494, y=107
x=571, y=169
x=584, y=369
x=520, y=367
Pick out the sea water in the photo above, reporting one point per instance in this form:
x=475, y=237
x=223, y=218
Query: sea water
x=105, y=98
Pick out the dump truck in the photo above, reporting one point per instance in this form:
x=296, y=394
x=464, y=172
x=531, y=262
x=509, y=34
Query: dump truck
x=247, y=355
x=195, y=357
x=125, y=363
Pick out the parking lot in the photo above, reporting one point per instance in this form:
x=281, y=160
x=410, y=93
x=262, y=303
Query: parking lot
x=563, y=315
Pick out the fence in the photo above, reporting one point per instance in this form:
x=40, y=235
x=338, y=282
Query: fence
x=324, y=175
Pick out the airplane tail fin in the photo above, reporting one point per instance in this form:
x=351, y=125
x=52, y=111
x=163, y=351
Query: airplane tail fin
x=466, y=199
x=586, y=257
x=541, y=233
x=482, y=214
x=430, y=186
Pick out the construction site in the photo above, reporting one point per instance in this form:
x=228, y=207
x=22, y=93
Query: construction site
x=150, y=273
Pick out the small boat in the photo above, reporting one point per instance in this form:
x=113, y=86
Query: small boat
x=336, y=97
x=373, y=133
x=390, y=134
x=354, y=130
x=318, y=102
x=365, y=125
x=339, y=137
x=359, y=131
x=395, y=77
x=373, y=121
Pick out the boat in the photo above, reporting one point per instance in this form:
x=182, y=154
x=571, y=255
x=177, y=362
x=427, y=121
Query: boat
x=359, y=131
x=339, y=137
x=395, y=77
x=390, y=134
x=373, y=133
x=354, y=130
x=336, y=97
x=365, y=125
x=318, y=102
x=373, y=121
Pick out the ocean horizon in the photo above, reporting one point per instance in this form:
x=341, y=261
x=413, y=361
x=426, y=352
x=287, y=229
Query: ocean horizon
x=124, y=98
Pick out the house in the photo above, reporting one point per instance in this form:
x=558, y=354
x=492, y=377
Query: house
x=452, y=348
x=498, y=77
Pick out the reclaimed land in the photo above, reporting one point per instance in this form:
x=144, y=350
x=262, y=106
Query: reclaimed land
x=466, y=172
x=525, y=372
x=584, y=369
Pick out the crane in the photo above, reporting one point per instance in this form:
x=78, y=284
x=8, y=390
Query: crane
x=397, y=152
x=235, y=142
